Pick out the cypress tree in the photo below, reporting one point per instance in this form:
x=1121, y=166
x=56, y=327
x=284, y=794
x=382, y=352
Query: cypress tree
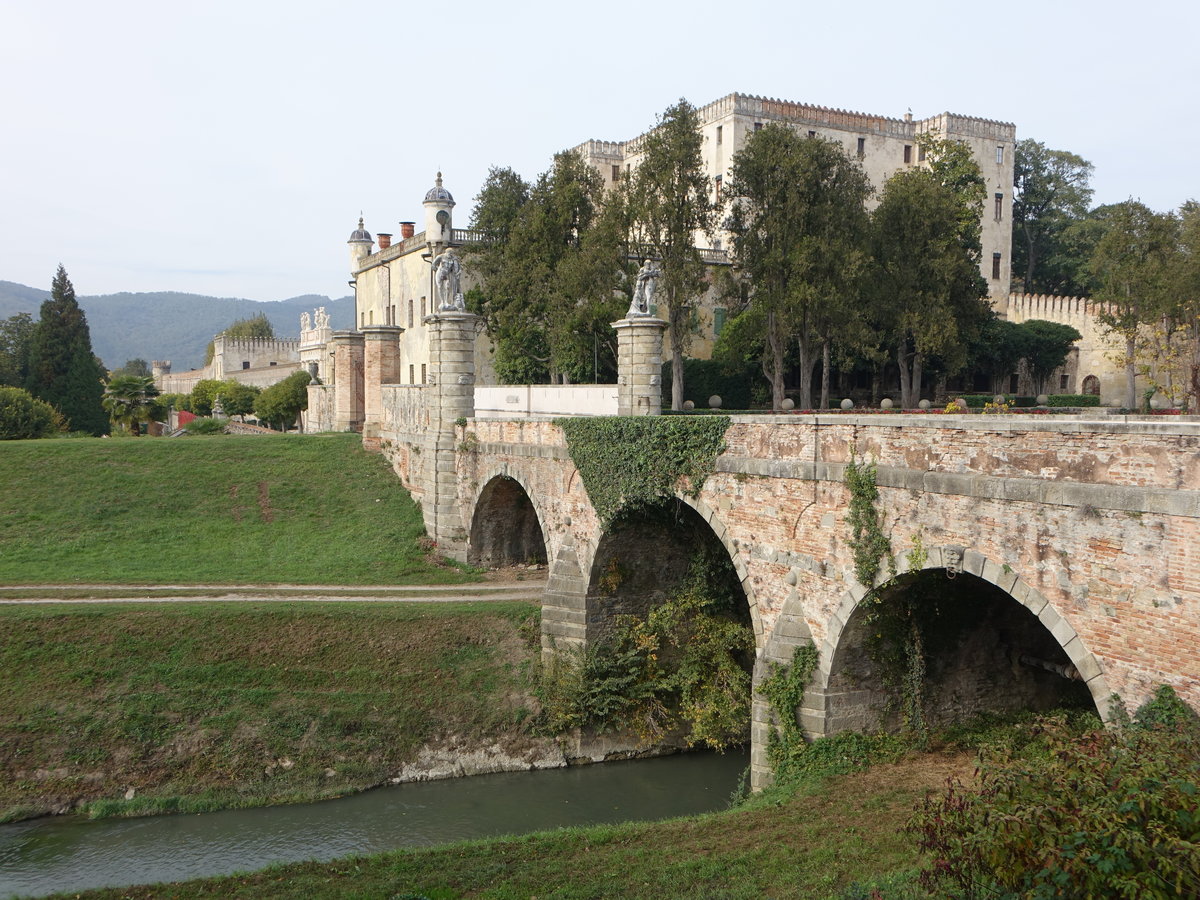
x=63, y=370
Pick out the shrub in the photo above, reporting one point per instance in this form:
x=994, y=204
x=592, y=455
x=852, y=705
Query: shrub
x=23, y=416
x=1098, y=814
x=1074, y=400
x=205, y=426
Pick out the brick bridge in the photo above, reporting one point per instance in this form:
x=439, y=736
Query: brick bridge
x=1078, y=539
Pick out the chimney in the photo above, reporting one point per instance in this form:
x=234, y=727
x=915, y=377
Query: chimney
x=385, y=240
x=407, y=229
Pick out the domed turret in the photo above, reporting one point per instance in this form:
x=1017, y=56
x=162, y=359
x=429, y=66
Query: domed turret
x=360, y=245
x=439, y=224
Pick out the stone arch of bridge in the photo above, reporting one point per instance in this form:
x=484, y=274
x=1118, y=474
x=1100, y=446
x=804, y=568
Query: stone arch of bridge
x=834, y=703
x=506, y=523
x=701, y=522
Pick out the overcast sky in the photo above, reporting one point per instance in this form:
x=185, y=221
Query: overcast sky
x=226, y=148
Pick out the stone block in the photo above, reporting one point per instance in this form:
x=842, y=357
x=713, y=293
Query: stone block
x=1063, y=632
x=973, y=562
x=1085, y=661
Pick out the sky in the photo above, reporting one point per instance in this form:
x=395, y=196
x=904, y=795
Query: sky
x=227, y=148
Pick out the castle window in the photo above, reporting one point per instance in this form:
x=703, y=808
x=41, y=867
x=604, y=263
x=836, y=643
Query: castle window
x=616, y=173
x=717, y=181
x=422, y=309
x=921, y=154
x=999, y=207
x=812, y=134
x=1064, y=382
x=422, y=373
x=719, y=315
x=907, y=153
x=362, y=319
x=995, y=266
x=271, y=363
x=245, y=363
x=1000, y=155
x=410, y=312
x=370, y=317
x=720, y=128
x=411, y=374
x=758, y=126
x=862, y=147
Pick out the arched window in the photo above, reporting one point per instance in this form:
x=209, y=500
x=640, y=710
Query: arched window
x=1091, y=385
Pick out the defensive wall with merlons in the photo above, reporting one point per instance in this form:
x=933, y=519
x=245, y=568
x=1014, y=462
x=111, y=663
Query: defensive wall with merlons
x=1080, y=536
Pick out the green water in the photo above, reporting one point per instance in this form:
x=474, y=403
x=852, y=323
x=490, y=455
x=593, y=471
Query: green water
x=49, y=855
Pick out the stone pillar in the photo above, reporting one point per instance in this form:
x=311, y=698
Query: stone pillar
x=381, y=365
x=639, y=366
x=347, y=381
x=451, y=393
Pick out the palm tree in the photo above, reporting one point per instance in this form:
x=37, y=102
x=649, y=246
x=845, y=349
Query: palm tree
x=130, y=400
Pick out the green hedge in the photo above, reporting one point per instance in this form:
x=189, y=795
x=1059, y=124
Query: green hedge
x=1074, y=400
x=978, y=401
x=704, y=377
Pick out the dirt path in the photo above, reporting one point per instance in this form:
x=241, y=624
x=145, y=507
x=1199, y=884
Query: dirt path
x=530, y=589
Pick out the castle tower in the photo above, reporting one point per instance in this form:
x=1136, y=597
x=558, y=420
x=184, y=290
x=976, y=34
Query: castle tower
x=439, y=224
x=360, y=245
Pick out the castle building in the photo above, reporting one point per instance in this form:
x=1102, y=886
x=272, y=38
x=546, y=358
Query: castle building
x=883, y=145
x=394, y=283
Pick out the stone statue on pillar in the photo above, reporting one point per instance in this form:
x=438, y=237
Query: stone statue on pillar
x=447, y=273
x=643, y=289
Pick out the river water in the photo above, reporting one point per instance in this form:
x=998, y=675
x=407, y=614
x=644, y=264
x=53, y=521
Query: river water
x=48, y=855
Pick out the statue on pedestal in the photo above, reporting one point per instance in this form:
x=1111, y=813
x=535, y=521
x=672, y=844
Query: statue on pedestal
x=305, y=322
x=322, y=318
x=447, y=272
x=643, y=289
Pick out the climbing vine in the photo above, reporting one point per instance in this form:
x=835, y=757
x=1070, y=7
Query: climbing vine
x=629, y=463
x=784, y=690
x=867, y=540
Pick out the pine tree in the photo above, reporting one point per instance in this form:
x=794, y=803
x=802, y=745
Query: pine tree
x=63, y=370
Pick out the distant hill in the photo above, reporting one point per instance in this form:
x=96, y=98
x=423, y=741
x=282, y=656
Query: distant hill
x=170, y=325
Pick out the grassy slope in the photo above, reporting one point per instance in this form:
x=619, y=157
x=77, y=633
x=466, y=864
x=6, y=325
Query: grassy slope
x=224, y=509
x=815, y=843
x=192, y=704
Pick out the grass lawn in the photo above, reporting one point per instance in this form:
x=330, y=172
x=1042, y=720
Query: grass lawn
x=199, y=706
x=304, y=509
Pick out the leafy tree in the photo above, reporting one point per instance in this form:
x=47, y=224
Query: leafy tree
x=998, y=351
x=1186, y=299
x=531, y=296
x=204, y=396
x=799, y=227
x=670, y=208
x=131, y=400
x=135, y=366
x=954, y=166
x=237, y=399
x=256, y=326
x=16, y=334
x=63, y=371
x=1132, y=265
x=1046, y=347
x=927, y=293
x=23, y=416
x=281, y=403
x=1051, y=191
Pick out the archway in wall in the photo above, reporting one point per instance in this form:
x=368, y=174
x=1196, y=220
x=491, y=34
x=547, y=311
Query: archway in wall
x=1091, y=385
x=983, y=652
x=505, y=530
x=663, y=582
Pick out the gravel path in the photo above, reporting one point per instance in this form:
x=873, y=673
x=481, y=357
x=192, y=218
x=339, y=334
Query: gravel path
x=260, y=593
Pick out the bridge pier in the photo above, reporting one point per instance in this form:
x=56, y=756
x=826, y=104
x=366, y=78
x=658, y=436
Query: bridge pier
x=348, y=382
x=639, y=366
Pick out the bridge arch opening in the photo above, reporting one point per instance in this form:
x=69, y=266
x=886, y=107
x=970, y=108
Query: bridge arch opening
x=954, y=641
x=505, y=530
x=662, y=578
